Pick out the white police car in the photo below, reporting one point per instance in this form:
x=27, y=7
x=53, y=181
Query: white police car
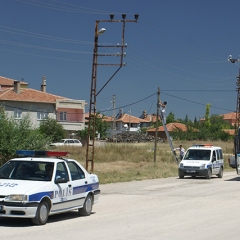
x=43, y=183
x=202, y=160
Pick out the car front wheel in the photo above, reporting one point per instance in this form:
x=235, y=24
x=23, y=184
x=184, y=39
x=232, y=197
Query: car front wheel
x=41, y=214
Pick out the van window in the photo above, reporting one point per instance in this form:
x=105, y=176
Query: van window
x=194, y=154
x=220, y=154
x=214, y=156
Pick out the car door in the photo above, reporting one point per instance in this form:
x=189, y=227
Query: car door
x=215, y=162
x=79, y=183
x=63, y=189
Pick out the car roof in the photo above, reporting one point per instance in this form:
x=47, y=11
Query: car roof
x=36, y=159
x=204, y=146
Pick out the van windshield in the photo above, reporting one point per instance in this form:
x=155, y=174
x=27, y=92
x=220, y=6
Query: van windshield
x=197, y=154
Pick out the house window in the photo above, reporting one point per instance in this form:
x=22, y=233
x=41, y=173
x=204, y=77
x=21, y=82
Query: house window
x=17, y=113
x=42, y=114
x=63, y=116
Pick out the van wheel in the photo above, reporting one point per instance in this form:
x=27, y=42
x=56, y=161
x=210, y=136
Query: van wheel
x=41, y=214
x=209, y=174
x=181, y=176
x=220, y=174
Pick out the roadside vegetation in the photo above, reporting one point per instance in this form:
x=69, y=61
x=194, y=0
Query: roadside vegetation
x=20, y=134
x=124, y=162
x=116, y=162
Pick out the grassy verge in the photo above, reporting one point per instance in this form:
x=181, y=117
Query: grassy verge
x=135, y=161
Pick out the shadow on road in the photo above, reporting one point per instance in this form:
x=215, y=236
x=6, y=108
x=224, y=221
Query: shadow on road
x=24, y=222
x=233, y=179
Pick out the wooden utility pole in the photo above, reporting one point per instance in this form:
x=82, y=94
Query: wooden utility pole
x=156, y=132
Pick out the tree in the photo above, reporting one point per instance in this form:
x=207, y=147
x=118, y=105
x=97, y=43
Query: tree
x=170, y=118
x=51, y=128
x=18, y=134
x=101, y=126
x=207, y=120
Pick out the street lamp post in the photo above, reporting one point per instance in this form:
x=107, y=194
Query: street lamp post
x=234, y=60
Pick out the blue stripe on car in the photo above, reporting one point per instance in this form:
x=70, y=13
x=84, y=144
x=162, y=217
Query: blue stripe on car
x=85, y=188
x=40, y=195
x=76, y=190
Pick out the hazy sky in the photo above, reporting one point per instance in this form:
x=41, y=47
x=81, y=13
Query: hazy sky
x=181, y=46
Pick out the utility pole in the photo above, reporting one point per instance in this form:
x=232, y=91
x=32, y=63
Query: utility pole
x=93, y=91
x=156, y=132
x=237, y=124
x=130, y=113
x=114, y=116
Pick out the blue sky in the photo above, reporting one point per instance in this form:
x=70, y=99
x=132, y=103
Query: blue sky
x=179, y=46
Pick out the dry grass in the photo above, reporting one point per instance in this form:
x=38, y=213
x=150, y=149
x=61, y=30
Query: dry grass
x=127, y=162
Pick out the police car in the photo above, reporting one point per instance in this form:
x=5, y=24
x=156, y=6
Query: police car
x=202, y=160
x=43, y=183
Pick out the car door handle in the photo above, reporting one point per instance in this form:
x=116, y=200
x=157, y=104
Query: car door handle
x=86, y=182
x=69, y=185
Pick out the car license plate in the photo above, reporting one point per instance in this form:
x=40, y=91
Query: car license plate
x=1, y=207
x=191, y=171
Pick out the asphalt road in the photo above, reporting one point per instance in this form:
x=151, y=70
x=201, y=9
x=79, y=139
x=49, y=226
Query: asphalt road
x=168, y=208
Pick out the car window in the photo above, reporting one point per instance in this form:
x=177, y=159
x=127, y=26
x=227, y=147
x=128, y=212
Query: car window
x=75, y=171
x=76, y=141
x=61, y=171
x=25, y=170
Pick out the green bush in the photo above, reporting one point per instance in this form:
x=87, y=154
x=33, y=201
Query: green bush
x=18, y=134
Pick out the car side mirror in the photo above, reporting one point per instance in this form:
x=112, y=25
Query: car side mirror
x=61, y=180
x=213, y=159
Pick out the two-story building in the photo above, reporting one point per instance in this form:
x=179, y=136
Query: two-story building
x=17, y=99
x=124, y=122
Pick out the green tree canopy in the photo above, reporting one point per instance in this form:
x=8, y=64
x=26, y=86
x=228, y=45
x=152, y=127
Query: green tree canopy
x=18, y=134
x=51, y=128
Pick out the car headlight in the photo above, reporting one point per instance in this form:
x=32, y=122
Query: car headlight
x=181, y=165
x=202, y=166
x=16, y=198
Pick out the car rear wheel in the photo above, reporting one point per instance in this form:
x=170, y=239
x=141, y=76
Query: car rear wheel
x=87, y=206
x=41, y=214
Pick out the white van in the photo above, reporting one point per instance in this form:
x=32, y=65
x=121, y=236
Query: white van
x=202, y=160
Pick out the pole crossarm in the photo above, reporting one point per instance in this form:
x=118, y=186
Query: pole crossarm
x=93, y=91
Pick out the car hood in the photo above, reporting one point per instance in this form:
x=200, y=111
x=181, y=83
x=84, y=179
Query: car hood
x=12, y=186
x=194, y=162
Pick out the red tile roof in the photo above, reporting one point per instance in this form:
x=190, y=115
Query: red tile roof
x=126, y=118
x=7, y=82
x=170, y=127
x=28, y=95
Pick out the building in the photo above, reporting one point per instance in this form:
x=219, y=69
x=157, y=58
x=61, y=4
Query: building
x=151, y=118
x=17, y=100
x=124, y=122
x=170, y=127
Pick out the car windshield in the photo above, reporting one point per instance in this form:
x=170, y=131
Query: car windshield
x=197, y=154
x=26, y=170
